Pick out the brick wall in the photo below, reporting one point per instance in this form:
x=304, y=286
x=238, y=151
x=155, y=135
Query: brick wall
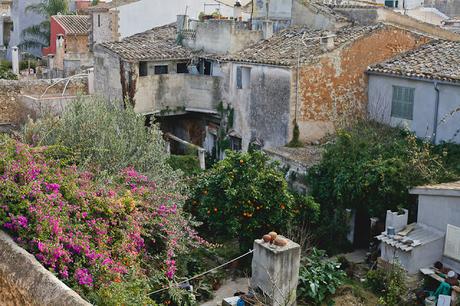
x=333, y=91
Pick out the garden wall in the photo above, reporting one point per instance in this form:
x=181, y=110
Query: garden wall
x=14, y=111
x=24, y=281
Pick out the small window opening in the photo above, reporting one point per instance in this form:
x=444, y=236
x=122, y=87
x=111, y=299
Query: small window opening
x=143, y=69
x=182, y=68
x=161, y=69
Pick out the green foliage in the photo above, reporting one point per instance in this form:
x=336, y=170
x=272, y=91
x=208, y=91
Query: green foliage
x=295, y=142
x=244, y=195
x=7, y=74
x=189, y=164
x=370, y=167
x=38, y=36
x=105, y=136
x=389, y=284
x=130, y=291
x=319, y=278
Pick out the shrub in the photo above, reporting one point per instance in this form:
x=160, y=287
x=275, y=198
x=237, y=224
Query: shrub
x=107, y=137
x=188, y=164
x=370, y=168
x=91, y=232
x=244, y=195
x=389, y=284
x=319, y=278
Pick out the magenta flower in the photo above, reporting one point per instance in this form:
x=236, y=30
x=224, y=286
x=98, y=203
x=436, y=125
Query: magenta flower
x=83, y=277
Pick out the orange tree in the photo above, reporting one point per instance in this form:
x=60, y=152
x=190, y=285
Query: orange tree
x=245, y=195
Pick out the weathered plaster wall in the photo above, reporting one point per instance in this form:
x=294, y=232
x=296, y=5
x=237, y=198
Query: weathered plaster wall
x=262, y=110
x=380, y=97
x=13, y=106
x=156, y=93
x=25, y=282
x=306, y=14
x=448, y=7
x=222, y=36
x=333, y=91
x=107, y=81
x=103, y=31
x=22, y=20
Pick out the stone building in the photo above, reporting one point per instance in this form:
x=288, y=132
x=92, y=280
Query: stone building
x=251, y=94
x=69, y=43
x=419, y=90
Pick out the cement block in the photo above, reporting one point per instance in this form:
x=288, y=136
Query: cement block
x=275, y=271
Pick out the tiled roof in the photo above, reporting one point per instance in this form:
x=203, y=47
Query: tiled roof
x=156, y=44
x=103, y=6
x=283, y=47
x=439, y=60
x=420, y=235
x=74, y=24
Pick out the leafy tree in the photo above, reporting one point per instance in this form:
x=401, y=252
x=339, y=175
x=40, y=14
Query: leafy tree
x=370, y=168
x=244, y=195
x=38, y=36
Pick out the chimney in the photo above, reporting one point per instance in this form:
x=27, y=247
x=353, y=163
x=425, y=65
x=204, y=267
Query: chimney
x=15, y=60
x=60, y=52
x=237, y=11
x=267, y=29
x=182, y=23
x=327, y=41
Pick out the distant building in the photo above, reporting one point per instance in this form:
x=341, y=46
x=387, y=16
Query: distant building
x=69, y=43
x=419, y=90
x=118, y=19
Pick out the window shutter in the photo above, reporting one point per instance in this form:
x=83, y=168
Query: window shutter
x=403, y=102
x=239, y=78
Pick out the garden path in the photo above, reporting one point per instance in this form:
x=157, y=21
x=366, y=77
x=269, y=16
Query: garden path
x=229, y=287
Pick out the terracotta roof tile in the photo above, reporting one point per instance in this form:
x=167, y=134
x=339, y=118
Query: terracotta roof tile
x=439, y=60
x=74, y=24
x=156, y=44
x=283, y=47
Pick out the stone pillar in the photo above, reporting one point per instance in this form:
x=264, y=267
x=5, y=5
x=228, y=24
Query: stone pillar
x=15, y=60
x=91, y=81
x=201, y=158
x=275, y=272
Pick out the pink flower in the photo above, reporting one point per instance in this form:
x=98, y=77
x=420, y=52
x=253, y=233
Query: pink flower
x=83, y=277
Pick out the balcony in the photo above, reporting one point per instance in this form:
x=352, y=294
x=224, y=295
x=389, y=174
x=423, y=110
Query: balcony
x=173, y=93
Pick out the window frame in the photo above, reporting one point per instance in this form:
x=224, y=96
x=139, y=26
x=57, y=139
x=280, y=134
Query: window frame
x=156, y=69
x=402, y=102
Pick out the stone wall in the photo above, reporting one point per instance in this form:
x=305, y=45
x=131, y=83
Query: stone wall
x=449, y=7
x=25, y=282
x=12, y=109
x=333, y=91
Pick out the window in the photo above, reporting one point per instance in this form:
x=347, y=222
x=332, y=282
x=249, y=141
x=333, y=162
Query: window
x=243, y=77
x=402, y=105
x=182, y=68
x=143, y=69
x=99, y=20
x=391, y=3
x=161, y=69
x=235, y=143
x=452, y=242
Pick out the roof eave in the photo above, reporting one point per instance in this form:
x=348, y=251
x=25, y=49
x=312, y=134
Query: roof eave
x=429, y=80
x=435, y=192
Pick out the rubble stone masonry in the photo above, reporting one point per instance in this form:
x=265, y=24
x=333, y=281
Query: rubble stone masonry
x=12, y=110
x=333, y=91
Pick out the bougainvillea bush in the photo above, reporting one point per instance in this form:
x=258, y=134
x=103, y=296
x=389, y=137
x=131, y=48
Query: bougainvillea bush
x=94, y=235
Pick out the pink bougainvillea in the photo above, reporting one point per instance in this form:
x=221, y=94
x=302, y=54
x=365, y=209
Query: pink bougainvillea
x=87, y=231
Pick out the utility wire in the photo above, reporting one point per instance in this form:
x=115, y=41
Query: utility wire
x=201, y=274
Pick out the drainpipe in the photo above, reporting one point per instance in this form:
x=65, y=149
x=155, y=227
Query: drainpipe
x=436, y=112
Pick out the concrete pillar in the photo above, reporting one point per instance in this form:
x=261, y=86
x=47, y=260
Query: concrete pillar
x=394, y=219
x=237, y=11
x=267, y=29
x=201, y=158
x=60, y=51
x=275, y=271
x=91, y=81
x=15, y=60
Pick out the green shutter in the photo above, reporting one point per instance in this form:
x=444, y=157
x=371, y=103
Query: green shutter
x=402, y=105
